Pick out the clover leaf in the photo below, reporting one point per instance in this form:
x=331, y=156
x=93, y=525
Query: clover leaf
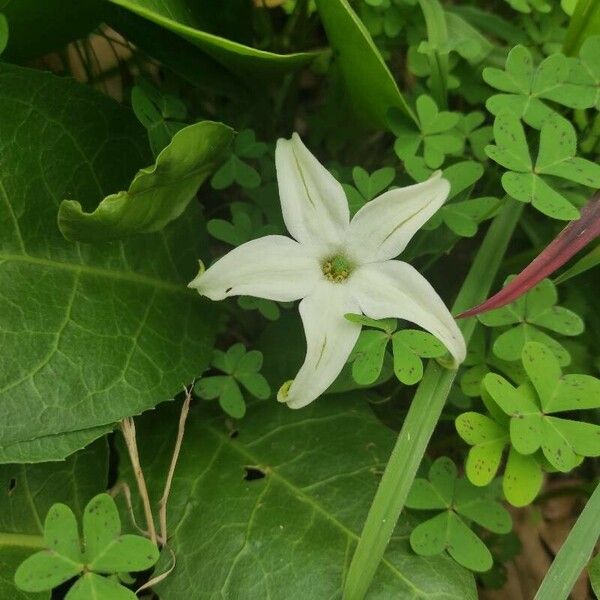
x=461, y=503
x=532, y=409
x=586, y=70
x=367, y=186
x=489, y=436
x=528, y=315
x=163, y=115
x=267, y=308
x=435, y=136
x=464, y=216
x=409, y=346
x=478, y=135
x=241, y=368
x=480, y=360
x=105, y=551
x=236, y=170
x=246, y=224
x=556, y=157
x=527, y=88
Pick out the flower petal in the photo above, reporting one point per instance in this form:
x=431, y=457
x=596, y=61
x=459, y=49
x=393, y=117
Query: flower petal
x=330, y=338
x=382, y=228
x=313, y=202
x=395, y=289
x=274, y=267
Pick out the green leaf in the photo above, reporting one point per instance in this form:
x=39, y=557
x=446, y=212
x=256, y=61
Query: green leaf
x=115, y=320
x=511, y=151
x=387, y=325
x=258, y=520
x=480, y=507
x=421, y=343
x=523, y=478
x=532, y=424
x=466, y=548
x=61, y=533
x=534, y=310
x=594, y=574
x=370, y=86
x=584, y=23
x=408, y=367
x=373, y=185
x=574, y=553
x=31, y=492
x=488, y=439
x=527, y=88
x=244, y=61
x=4, y=33
x=447, y=530
x=369, y=354
x=587, y=262
x=429, y=538
x=158, y=194
x=106, y=550
x=51, y=447
x=95, y=586
x=37, y=28
x=45, y=570
x=231, y=399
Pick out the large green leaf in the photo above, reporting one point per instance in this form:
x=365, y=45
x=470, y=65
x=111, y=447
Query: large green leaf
x=158, y=194
x=371, y=87
x=280, y=502
x=175, y=53
x=29, y=492
x=51, y=447
x=179, y=17
x=37, y=27
x=89, y=333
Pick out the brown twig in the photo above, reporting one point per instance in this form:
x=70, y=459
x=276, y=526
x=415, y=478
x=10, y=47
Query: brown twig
x=128, y=429
x=162, y=514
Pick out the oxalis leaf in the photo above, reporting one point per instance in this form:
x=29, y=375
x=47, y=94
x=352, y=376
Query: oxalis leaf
x=531, y=410
x=528, y=88
x=90, y=334
x=529, y=318
x=489, y=436
x=556, y=157
x=103, y=551
x=462, y=503
x=272, y=486
x=29, y=493
x=158, y=194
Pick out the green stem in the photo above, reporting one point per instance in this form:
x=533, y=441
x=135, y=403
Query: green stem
x=584, y=23
x=424, y=413
x=22, y=540
x=437, y=36
x=574, y=554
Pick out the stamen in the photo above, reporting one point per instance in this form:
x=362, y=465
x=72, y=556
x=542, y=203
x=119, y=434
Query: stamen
x=337, y=268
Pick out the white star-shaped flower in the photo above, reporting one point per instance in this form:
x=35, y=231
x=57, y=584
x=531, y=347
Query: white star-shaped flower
x=336, y=266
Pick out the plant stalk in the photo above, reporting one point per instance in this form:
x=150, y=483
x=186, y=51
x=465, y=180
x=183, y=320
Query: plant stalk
x=424, y=413
x=574, y=554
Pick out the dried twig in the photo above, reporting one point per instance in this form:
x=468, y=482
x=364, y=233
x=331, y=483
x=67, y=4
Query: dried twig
x=162, y=515
x=128, y=429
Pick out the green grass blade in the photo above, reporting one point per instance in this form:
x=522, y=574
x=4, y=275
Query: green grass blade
x=574, y=554
x=423, y=415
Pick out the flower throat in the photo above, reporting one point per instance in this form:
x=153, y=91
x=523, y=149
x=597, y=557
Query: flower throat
x=337, y=268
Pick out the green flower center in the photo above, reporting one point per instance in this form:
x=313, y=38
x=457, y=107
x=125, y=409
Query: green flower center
x=337, y=268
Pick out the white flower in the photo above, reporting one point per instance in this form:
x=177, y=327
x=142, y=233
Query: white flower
x=336, y=266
